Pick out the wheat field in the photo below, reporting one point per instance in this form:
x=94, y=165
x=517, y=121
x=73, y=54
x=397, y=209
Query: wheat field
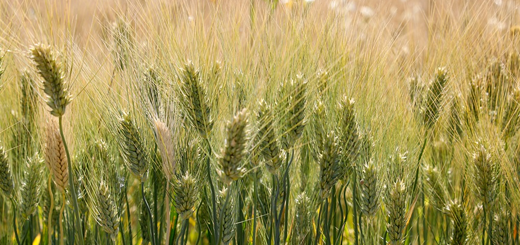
x=259, y=122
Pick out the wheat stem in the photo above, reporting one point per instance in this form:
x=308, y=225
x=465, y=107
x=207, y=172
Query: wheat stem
x=14, y=222
x=49, y=219
x=168, y=221
x=71, y=184
x=213, y=195
x=149, y=213
x=60, y=220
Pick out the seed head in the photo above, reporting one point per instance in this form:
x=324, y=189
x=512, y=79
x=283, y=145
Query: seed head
x=164, y=141
x=434, y=97
x=330, y=169
x=303, y=220
x=349, y=136
x=267, y=140
x=55, y=156
x=194, y=100
x=233, y=151
x=293, y=111
x=132, y=147
x=396, y=212
x=105, y=210
x=31, y=187
x=226, y=207
x=53, y=78
x=501, y=232
x=186, y=194
x=6, y=178
x=486, y=177
x=434, y=187
x=370, y=191
x=457, y=214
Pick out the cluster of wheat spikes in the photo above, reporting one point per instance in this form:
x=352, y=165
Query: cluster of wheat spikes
x=170, y=142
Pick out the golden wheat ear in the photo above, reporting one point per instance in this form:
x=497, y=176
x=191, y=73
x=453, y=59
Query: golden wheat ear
x=55, y=157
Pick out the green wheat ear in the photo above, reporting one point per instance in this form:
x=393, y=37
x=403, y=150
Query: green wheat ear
x=330, y=168
x=132, y=147
x=486, y=178
x=293, y=111
x=266, y=137
x=227, y=219
x=195, y=101
x=105, y=210
x=31, y=187
x=6, y=178
x=349, y=132
x=396, y=213
x=53, y=78
x=370, y=190
x=433, y=100
x=186, y=195
x=233, y=151
x=459, y=221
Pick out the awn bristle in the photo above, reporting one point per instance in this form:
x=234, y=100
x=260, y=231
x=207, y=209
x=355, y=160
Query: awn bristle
x=55, y=156
x=53, y=79
x=132, y=147
x=233, y=151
